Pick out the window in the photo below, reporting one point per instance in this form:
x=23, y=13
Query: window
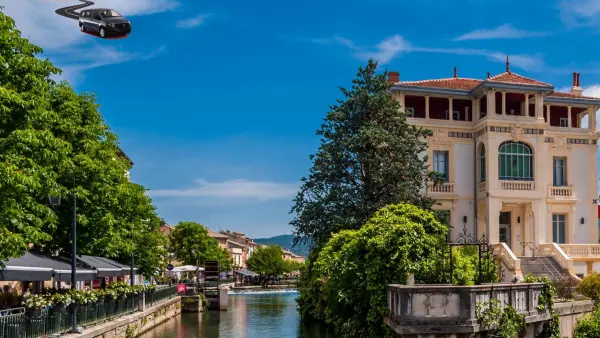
x=482, y=164
x=559, y=223
x=515, y=161
x=440, y=163
x=96, y=16
x=559, y=172
x=564, y=121
x=410, y=112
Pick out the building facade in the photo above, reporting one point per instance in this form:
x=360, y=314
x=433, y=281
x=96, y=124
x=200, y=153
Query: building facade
x=518, y=163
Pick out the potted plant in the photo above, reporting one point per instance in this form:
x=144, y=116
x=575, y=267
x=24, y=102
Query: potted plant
x=35, y=304
x=61, y=300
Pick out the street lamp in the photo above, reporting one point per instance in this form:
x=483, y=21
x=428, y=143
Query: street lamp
x=131, y=273
x=54, y=201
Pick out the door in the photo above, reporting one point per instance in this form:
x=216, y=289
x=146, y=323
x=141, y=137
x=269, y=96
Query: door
x=505, y=228
x=559, y=177
x=95, y=22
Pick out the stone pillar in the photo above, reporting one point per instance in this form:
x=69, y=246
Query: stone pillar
x=491, y=102
x=503, y=103
x=426, y=107
x=592, y=118
x=527, y=225
x=548, y=114
x=450, y=110
x=493, y=220
x=539, y=107
x=590, y=268
x=476, y=110
x=402, y=101
x=526, y=108
x=569, y=123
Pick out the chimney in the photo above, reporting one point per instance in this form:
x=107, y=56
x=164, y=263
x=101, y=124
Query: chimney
x=393, y=77
x=488, y=75
x=455, y=73
x=576, y=89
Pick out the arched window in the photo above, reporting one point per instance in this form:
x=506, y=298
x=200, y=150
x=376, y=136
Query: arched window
x=515, y=161
x=482, y=163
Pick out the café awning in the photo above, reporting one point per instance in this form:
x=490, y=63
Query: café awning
x=37, y=267
x=246, y=273
x=126, y=268
x=102, y=267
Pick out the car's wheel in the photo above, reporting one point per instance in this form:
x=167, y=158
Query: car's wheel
x=102, y=32
x=82, y=27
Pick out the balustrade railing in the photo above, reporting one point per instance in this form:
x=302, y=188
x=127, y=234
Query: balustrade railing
x=517, y=185
x=581, y=251
x=440, y=188
x=560, y=192
x=19, y=323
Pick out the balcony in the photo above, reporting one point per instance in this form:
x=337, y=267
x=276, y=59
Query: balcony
x=582, y=252
x=444, y=188
x=518, y=185
x=561, y=193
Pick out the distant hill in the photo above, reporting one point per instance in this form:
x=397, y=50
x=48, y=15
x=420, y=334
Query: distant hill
x=286, y=242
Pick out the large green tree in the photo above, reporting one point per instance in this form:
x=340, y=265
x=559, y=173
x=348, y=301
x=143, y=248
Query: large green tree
x=268, y=262
x=369, y=157
x=30, y=154
x=351, y=274
x=192, y=244
x=55, y=141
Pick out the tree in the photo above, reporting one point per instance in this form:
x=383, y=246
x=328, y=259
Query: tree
x=369, y=157
x=29, y=152
x=267, y=262
x=192, y=244
x=348, y=288
x=55, y=141
x=292, y=266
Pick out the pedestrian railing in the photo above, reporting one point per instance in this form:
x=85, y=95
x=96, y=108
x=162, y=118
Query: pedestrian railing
x=19, y=323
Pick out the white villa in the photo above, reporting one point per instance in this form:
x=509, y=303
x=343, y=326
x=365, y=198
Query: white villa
x=520, y=166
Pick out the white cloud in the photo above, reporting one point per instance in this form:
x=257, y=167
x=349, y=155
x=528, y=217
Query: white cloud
x=580, y=12
x=233, y=189
x=506, y=31
x=37, y=21
x=196, y=21
x=388, y=49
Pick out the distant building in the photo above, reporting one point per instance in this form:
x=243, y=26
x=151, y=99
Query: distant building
x=288, y=255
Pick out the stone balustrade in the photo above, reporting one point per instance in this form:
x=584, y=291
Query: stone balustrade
x=440, y=188
x=517, y=185
x=439, y=310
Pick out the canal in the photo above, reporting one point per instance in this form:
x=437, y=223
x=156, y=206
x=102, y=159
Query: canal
x=251, y=315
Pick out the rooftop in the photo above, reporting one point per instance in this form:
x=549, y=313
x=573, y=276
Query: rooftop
x=469, y=84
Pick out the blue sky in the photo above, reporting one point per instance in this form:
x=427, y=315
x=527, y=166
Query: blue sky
x=217, y=102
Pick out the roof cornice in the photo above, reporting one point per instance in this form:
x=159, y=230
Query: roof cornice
x=430, y=90
x=574, y=101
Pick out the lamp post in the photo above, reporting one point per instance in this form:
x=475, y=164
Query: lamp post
x=131, y=273
x=55, y=201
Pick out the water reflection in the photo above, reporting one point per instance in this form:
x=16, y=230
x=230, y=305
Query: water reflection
x=251, y=315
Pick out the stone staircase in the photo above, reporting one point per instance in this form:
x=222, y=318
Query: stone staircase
x=543, y=266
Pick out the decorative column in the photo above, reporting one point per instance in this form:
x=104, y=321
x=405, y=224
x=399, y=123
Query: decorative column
x=526, y=108
x=548, y=114
x=491, y=103
x=503, y=103
x=476, y=110
x=450, y=110
x=569, y=117
x=426, y=107
x=402, y=101
x=592, y=118
x=528, y=229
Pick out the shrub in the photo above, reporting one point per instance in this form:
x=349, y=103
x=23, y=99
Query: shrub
x=588, y=326
x=590, y=286
x=565, y=288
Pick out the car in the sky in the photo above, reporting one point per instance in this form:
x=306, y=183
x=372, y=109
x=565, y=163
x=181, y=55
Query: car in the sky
x=105, y=22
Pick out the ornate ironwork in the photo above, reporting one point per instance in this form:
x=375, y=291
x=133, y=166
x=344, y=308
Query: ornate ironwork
x=464, y=238
x=531, y=246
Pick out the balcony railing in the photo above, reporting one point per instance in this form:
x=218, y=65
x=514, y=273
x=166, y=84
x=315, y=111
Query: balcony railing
x=518, y=185
x=440, y=188
x=581, y=251
x=560, y=192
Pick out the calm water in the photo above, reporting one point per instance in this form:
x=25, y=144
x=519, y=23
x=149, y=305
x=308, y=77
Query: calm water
x=250, y=315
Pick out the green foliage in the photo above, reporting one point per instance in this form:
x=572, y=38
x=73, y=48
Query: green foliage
x=268, y=262
x=503, y=322
x=54, y=141
x=546, y=302
x=588, y=326
x=590, y=286
x=292, y=266
x=192, y=244
x=346, y=285
x=369, y=157
x=286, y=242
x=466, y=266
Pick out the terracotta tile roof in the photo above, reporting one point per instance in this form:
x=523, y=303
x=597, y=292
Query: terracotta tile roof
x=448, y=83
x=510, y=77
x=215, y=234
x=572, y=96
